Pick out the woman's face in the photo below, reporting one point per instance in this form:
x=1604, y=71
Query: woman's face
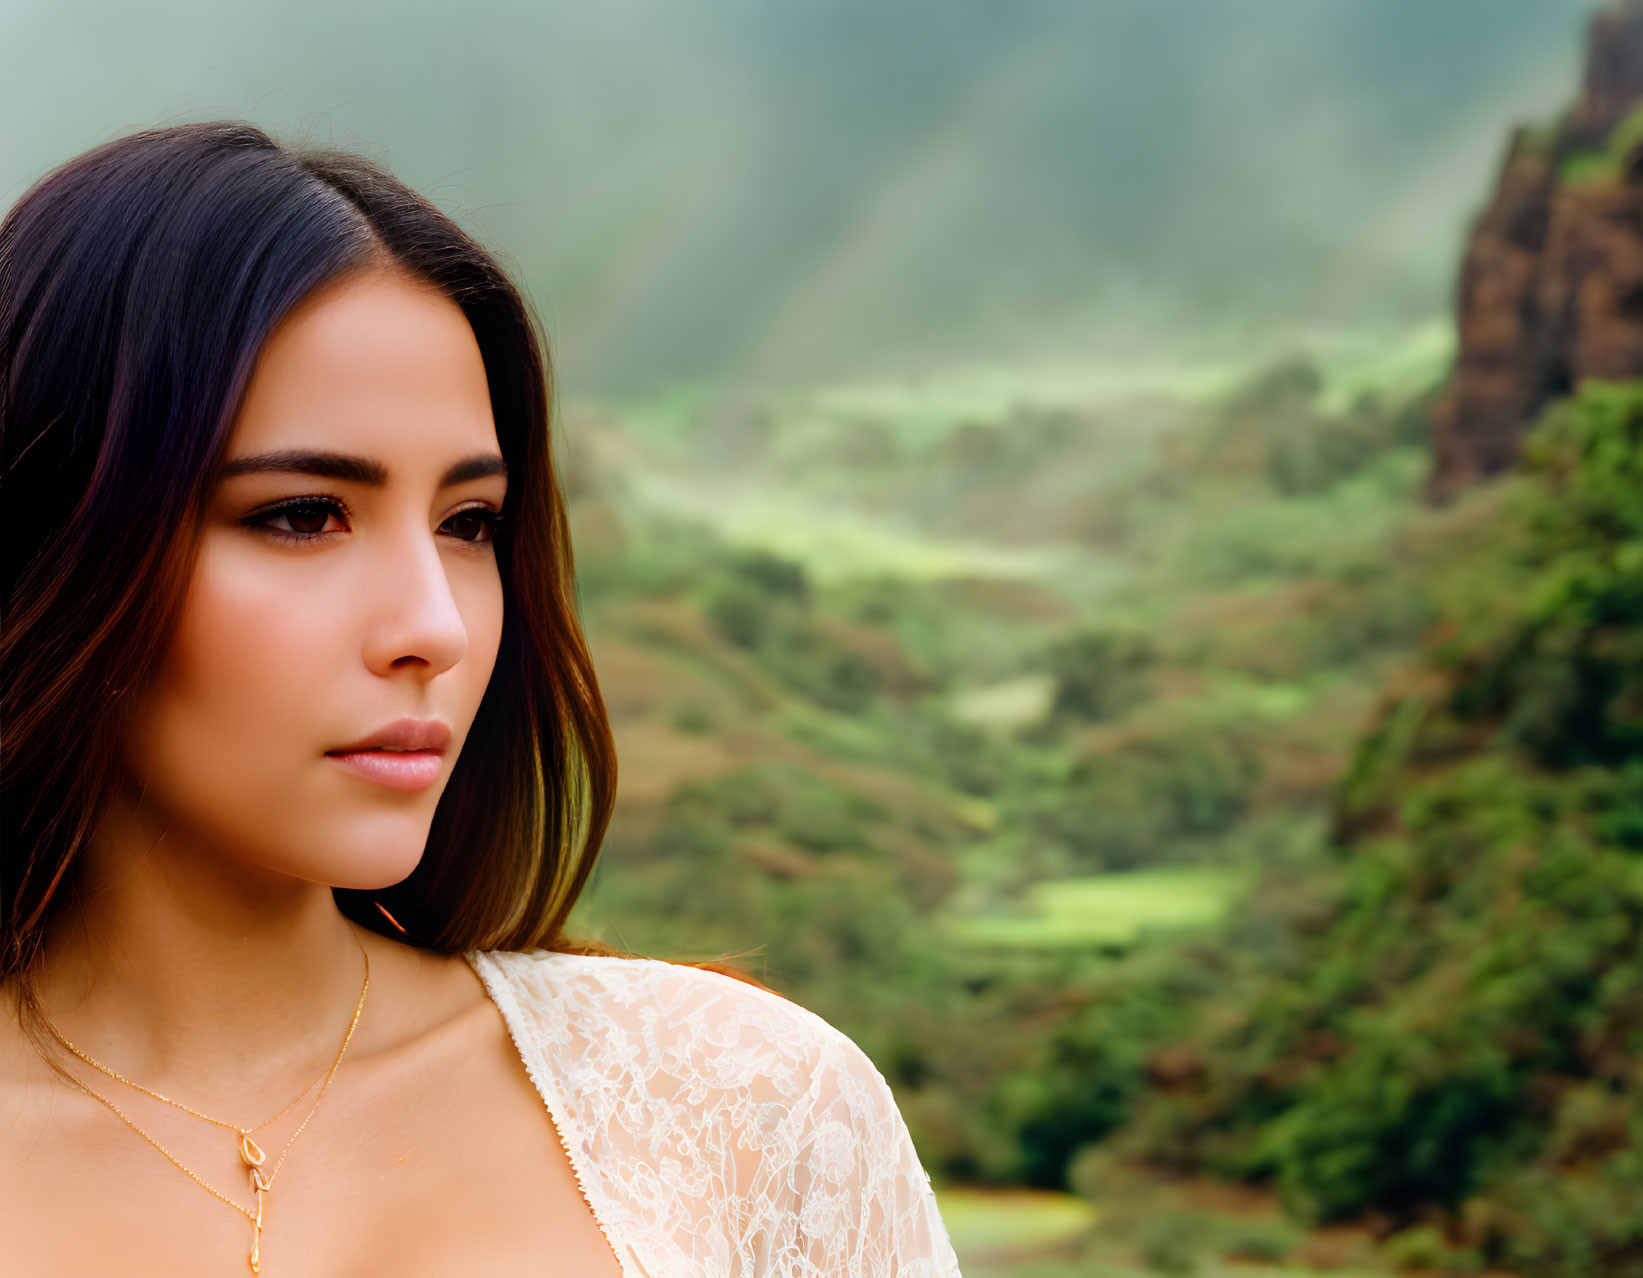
x=346, y=579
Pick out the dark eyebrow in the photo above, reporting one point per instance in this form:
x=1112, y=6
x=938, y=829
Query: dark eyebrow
x=352, y=469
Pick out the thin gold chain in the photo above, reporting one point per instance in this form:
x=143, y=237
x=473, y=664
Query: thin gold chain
x=219, y=1122
x=244, y=1211
x=259, y=1185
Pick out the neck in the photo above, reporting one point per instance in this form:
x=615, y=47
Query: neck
x=179, y=966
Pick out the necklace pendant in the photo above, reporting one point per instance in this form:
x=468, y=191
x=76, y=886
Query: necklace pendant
x=250, y=1152
x=256, y=1225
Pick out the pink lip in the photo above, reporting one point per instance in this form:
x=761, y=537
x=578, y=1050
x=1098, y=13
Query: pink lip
x=405, y=733
x=413, y=757
x=408, y=770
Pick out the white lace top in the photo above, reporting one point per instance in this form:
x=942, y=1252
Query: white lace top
x=718, y=1130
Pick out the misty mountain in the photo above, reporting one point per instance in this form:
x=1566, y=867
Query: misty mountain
x=770, y=193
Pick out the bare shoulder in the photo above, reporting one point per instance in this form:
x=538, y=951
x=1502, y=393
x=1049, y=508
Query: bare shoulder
x=29, y=1090
x=21, y=1065
x=416, y=996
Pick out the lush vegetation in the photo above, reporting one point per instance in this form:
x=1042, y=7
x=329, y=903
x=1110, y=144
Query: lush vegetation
x=1264, y=825
x=1160, y=792
x=1452, y=1040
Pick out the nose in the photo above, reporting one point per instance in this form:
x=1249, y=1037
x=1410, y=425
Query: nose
x=416, y=621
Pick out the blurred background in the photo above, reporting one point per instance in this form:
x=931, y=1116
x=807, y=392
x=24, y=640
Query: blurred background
x=1112, y=535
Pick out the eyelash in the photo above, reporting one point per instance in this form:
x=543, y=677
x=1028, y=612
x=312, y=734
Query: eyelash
x=492, y=520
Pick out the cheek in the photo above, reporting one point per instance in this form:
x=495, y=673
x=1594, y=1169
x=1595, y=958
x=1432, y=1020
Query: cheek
x=263, y=673
x=480, y=599
x=233, y=717
x=482, y=614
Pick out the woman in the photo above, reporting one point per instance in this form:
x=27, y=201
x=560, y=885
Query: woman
x=305, y=765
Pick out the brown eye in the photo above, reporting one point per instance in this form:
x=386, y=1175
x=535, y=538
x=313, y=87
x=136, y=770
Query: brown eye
x=307, y=519
x=302, y=516
x=477, y=524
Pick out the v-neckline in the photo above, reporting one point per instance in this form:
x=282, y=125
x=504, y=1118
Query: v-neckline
x=499, y=986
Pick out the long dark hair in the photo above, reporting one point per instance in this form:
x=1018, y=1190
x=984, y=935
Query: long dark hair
x=138, y=284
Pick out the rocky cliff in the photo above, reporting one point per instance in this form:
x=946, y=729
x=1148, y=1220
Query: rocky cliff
x=1551, y=285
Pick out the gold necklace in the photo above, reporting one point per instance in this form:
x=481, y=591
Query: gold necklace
x=251, y=1153
x=219, y=1122
x=244, y=1131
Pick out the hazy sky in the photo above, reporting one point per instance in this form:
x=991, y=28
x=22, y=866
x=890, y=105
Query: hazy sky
x=777, y=190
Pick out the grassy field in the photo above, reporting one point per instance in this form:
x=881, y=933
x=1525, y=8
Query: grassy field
x=1144, y=1226
x=1107, y=910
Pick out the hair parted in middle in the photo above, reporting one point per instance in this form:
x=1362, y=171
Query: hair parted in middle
x=139, y=282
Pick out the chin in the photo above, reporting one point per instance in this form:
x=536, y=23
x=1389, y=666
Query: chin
x=383, y=867
x=372, y=878
x=365, y=855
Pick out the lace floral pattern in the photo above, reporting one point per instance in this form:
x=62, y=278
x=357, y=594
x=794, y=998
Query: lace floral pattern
x=718, y=1130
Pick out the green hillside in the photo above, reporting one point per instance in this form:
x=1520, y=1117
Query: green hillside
x=1230, y=859
x=1287, y=839
x=1450, y=1041
x=942, y=780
